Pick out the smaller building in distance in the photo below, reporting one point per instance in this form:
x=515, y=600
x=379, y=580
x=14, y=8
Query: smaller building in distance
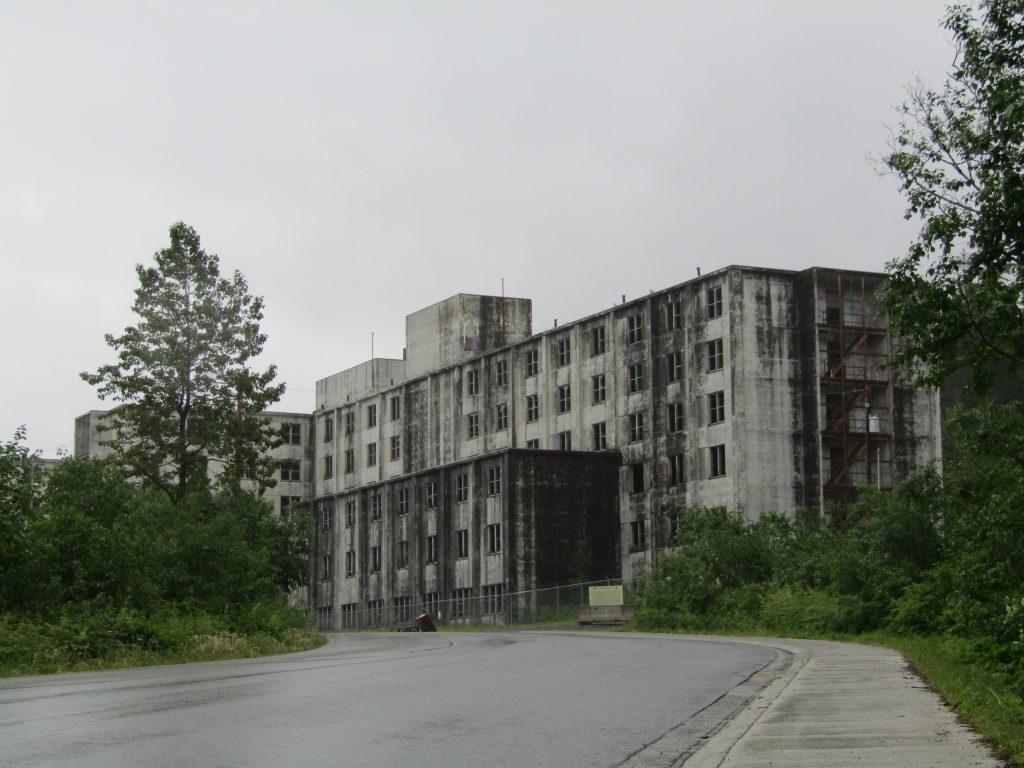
x=295, y=453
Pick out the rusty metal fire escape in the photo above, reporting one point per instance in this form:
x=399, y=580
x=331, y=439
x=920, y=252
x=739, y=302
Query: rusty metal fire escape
x=855, y=391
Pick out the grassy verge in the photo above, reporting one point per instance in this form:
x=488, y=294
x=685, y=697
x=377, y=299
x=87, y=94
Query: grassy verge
x=227, y=645
x=982, y=697
x=79, y=640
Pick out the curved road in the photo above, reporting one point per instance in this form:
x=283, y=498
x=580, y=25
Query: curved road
x=440, y=700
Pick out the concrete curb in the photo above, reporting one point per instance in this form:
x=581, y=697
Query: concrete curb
x=717, y=747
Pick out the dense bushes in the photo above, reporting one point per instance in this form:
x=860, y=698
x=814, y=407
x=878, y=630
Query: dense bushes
x=94, y=568
x=941, y=554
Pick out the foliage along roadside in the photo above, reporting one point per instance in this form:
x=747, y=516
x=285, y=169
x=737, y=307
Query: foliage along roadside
x=95, y=571
x=89, y=637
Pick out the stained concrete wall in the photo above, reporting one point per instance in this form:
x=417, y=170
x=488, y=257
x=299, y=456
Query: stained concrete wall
x=462, y=327
x=556, y=513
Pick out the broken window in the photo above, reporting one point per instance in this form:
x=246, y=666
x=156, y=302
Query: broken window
x=600, y=436
x=717, y=456
x=636, y=427
x=493, y=481
x=494, y=598
x=532, y=407
x=402, y=554
x=564, y=399
x=494, y=538
x=638, y=534
x=597, y=389
x=634, y=329
x=371, y=415
x=714, y=302
x=461, y=487
x=532, y=362
x=462, y=543
x=674, y=362
x=674, y=315
x=564, y=352
x=396, y=447
x=565, y=441
x=472, y=425
x=675, y=469
x=460, y=602
x=716, y=407
x=291, y=433
x=597, y=342
x=675, y=417
x=501, y=416
x=501, y=373
x=635, y=377
x=638, y=478
x=716, y=355
x=432, y=548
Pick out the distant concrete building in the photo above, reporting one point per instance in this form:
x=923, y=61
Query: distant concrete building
x=294, y=478
x=491, y=460
x=755, y=389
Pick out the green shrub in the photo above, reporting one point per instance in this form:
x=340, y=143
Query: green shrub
x=802, y=611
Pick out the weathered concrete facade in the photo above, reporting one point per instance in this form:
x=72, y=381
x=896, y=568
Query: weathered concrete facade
x=750, y=388
x=492, y=526
x=294, y=479
x=756, y=389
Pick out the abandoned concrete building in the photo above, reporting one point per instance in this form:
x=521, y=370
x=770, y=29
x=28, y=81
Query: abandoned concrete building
x=295, y=454
x=492, y=460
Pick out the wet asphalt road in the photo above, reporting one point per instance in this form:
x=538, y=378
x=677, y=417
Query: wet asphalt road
x=389, y=699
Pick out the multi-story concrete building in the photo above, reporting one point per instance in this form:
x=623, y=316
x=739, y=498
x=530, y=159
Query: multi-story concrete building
x=295, y=454
x=491, y=460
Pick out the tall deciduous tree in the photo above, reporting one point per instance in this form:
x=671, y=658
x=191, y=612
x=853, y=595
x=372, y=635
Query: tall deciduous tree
x=957, y=297
x=183, y=381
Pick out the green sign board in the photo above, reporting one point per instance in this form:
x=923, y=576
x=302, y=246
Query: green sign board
x=606, y=595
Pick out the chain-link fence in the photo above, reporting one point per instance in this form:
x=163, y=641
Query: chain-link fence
x=488, y=605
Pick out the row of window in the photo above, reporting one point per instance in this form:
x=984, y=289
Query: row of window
x=636, y=429
x=634, y=373
x=403, y=499
x=431, y=552
x=676, y=469
x=292, y=434
x=716, y=415
x=492, y=601
x=716, y=468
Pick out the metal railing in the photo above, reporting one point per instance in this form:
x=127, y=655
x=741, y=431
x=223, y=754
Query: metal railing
x=465, y=607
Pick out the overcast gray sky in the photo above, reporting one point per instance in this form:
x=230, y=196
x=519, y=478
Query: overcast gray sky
x=360, y=160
